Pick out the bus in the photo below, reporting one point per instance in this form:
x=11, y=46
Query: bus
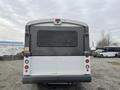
x=56, y=51
x=110, y=51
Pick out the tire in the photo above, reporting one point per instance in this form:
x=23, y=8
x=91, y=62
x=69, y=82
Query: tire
x=116, y=55
x=101, y=55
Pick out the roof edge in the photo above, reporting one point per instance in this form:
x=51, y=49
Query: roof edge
x=52, y=20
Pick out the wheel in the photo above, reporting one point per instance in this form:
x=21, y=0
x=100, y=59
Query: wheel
x=101, y=55
x=116, y=55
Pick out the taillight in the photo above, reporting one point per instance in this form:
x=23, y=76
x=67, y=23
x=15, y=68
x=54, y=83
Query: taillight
x=26, y=66
x=87, y=60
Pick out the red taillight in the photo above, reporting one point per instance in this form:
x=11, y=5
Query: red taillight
x=26, y=66
x=87, y=60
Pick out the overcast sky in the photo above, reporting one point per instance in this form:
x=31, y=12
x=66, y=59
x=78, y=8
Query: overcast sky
x=100, y=15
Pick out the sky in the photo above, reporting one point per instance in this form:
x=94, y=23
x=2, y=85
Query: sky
x=100, y=15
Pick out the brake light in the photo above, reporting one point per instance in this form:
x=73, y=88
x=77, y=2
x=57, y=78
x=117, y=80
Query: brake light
x=26, y=66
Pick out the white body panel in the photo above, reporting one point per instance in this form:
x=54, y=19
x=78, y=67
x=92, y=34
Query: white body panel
x=109, y=54
x=58, y=65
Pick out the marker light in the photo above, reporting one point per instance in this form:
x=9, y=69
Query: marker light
x=57, y=21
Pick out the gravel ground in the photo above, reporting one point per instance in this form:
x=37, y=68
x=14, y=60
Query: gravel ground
x=105, y=76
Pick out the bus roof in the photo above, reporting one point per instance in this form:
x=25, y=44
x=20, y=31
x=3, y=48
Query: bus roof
x=43, y=21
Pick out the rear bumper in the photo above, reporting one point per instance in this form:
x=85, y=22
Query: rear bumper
x=56, y=79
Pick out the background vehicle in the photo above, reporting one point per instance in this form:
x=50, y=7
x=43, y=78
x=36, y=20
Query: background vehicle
x=97, y=52
x=110, y=51
x=118, y=54
x=56, y=51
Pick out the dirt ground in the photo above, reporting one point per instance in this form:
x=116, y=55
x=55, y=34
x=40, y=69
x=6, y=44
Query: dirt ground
x=105, y=76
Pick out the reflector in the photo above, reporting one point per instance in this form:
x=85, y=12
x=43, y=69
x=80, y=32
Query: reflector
x=26, y=61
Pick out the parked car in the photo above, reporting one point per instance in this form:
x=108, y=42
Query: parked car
x=110, y=51
x=97, y=52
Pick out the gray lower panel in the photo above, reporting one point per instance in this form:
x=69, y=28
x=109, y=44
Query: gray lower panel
x=57, y=79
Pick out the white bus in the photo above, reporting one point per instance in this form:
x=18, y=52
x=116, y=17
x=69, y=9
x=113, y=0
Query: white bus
x=110, y=51
x=56, y=51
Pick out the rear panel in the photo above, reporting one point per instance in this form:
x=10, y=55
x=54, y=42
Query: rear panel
x=60, y=65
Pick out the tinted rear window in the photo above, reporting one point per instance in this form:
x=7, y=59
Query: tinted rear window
x=57, y=39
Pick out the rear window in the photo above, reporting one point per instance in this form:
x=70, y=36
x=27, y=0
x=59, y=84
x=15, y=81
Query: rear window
x=57, y=39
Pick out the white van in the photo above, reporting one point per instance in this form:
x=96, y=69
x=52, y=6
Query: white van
x=110, y=51
x=56, y=51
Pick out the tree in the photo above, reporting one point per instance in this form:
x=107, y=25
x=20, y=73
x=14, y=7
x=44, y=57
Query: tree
x=115, y=44
x=105, y=40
